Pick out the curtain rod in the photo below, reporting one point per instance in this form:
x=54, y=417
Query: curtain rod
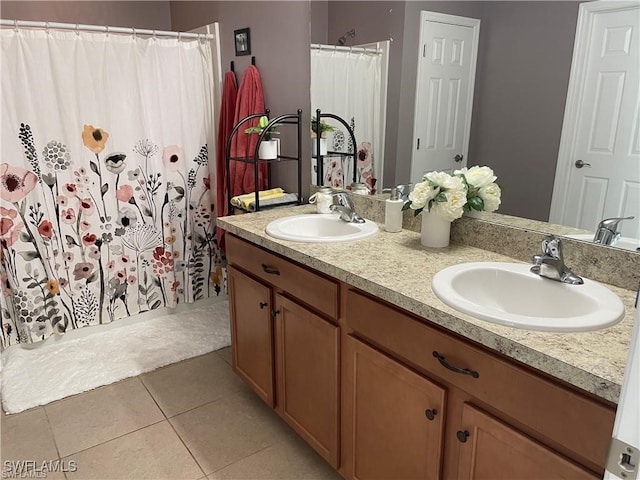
x=103, y=29
x=319, y=46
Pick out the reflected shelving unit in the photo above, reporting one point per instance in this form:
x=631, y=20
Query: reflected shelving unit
x=293, y=119
x=320, y=158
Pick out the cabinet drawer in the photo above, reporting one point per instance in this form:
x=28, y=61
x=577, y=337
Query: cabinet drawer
x=313, y=289
x=563, y=417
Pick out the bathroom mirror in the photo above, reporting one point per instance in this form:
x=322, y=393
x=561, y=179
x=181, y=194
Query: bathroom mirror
x=524, y=62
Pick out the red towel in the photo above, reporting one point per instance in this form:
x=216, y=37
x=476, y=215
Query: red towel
x=250, y=101
x=225, y=125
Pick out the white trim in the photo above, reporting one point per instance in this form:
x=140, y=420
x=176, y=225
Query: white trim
x=99, y=28
x=564, y=165
x=474, y=23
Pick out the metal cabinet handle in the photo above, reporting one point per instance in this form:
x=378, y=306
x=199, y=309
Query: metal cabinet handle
x=580, y=164
x=270, y=270
x=462, y=435
x=263, y=304
x=430, y=413
x=444, y=363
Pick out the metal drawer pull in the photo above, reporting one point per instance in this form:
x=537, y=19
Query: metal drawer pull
x=270, y=270
x=431, y=413
x=444, y=363
x=462, y=435
x=262, y=305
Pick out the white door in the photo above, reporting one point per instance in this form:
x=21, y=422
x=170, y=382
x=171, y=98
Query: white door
x=598, y=172
x=444, y=92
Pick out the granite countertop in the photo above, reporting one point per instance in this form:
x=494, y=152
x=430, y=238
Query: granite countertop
x=396, y=268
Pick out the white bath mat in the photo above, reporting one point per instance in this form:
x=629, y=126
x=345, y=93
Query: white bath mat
x=67, y=366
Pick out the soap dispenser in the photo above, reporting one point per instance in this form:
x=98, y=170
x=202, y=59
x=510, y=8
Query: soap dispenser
x=393, y=212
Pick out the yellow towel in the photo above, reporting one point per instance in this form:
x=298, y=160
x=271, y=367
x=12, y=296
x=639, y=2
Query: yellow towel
x=243, y=201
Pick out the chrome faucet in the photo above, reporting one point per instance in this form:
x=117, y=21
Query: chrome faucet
x=403, y=190
x=345, y=208
x=551, y=264
x=607, y=232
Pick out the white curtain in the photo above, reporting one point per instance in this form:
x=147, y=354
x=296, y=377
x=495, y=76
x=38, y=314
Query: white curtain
x=348, y=84
x=104, y=178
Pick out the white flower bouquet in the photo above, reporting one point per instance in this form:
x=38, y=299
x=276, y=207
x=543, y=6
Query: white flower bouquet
x=483, y=193
x=451, y=195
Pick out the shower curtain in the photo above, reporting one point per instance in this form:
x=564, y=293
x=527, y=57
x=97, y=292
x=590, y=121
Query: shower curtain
x=348, y=84
x=106, y=208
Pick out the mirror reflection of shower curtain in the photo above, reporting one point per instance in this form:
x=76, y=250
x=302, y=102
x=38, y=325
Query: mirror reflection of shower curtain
x=104, y=179
x=348, y=84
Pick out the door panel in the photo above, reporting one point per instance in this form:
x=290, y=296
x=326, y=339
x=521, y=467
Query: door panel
x=495, y=451
x=393, y=434
x=446, y=72
x=307, y=355
x=251, y=332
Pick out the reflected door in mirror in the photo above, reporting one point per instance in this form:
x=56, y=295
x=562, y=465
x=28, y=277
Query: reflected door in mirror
x=604, y=164
x=446, y=72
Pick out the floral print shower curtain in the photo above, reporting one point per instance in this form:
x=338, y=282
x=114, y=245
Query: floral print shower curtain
x=105, y=187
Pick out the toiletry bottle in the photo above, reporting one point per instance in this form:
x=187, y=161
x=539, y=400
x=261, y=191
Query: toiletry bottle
x=323, y=199
x=393, y=212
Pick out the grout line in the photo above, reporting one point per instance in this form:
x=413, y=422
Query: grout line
x=243, y=458
x=187, y=447
x=152, y=397
x=114, y=438
x=55, y=441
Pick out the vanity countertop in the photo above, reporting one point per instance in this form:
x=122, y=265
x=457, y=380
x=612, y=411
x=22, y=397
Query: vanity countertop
x=396, y=268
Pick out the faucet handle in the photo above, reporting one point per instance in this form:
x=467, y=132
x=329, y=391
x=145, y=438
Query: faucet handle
x=403, y=190
x=607, y=232
x=612, y=223
x=552, y=246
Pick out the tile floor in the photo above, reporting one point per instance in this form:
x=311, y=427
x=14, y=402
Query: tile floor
x=191, y=420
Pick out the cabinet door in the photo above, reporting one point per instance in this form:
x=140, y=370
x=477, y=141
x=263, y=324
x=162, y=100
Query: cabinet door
x=252, y=333
x=307, y=357
x=396, y=418
x=493, y=450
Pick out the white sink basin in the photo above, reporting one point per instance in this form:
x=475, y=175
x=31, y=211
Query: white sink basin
x=320, y=228
x=509, y=294
x=624, y=242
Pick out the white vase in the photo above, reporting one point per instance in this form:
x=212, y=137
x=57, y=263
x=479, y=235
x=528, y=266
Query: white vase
x=435, y=231
x=268, y=150
x=314, y=146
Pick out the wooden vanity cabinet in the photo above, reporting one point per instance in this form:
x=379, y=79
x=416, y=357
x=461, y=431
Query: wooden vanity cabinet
x=251, y=309
x=394, y=418
x=500, y=420
x=286, y=341
x=308, y=362
x=383, y=394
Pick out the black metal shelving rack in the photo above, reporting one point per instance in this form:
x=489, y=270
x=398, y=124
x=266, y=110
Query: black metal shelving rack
x=286, y=119
x=320, y=158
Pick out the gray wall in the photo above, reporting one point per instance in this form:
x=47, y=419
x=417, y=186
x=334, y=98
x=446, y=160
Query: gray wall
x=280, y=42
x=524, y=60
x=522, y=80
x=143, y=14
x=320, y=23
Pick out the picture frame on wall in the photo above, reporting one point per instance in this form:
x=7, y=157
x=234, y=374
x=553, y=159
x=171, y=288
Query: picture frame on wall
x=242, y=41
